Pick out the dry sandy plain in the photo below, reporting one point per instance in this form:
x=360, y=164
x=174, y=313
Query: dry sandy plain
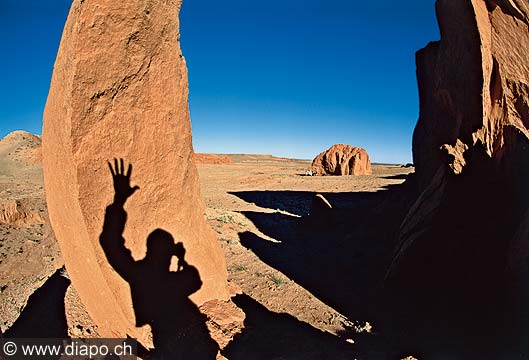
x=308, y=283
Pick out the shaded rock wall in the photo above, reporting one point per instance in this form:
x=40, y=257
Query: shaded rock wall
x=474, y=95
x=472, y=84
x=120, y=89
x=464, y=242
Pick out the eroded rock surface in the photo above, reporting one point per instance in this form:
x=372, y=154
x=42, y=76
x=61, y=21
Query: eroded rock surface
x=473, y=124
x=12, y=212
x=342, y=159
x=473, y=84
x=120, y=89
x=470, y=150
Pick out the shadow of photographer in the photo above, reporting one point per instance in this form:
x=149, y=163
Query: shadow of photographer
x=160, y=297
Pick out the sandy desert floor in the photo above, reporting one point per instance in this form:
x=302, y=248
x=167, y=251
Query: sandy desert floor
x=309, y=283
x=319, y=276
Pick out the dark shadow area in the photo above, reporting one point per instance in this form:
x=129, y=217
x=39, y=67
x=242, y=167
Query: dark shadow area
x=398, y=176
x=450, y=286
x=299, y=202
x=451, y=298
x=340, y=256
x=268, y=335
x=160, y=297
x=44, y=314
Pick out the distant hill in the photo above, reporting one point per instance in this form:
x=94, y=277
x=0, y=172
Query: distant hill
x=263, y=159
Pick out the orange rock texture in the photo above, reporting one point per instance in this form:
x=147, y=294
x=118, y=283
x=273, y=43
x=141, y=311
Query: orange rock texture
x=473, y=84
x=120, y=89
x=342, y=159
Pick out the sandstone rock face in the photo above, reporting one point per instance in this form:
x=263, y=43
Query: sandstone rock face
x=473, y=84
x=470, y=151
x=212, y=159
x=474, y=92
x=342, y=159
x=120, y=89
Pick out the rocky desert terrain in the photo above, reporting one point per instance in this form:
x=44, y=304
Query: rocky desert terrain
x=278, y=255
x=29, y=253
x=262, y=259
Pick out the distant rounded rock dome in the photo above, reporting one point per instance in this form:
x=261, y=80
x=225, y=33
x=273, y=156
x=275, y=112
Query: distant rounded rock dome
x=341, y=159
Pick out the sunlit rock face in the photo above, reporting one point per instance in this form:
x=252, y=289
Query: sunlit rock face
x=120, y=89
x=341, y=159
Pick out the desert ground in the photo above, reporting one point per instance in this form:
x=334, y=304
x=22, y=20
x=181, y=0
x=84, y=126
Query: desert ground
x=307, y=282
x=320, y=275
x=425, y=262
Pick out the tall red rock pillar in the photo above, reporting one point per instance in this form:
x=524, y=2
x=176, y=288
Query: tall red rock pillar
x=120, y=89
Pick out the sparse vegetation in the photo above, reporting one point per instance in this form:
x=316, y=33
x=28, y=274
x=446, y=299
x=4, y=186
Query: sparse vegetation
x=363, y=328
x=238, y=268
x=277, y=280
x=226, y=218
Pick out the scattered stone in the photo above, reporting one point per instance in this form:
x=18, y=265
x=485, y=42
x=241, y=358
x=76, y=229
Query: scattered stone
x=14, y=213
x=225, y=320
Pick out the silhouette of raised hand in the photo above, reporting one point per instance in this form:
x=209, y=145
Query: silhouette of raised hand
x=122, y=187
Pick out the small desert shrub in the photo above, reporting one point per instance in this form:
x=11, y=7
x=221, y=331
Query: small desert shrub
x=277, y=281
x=363, y=328
x=238, y=268
x=226, y=218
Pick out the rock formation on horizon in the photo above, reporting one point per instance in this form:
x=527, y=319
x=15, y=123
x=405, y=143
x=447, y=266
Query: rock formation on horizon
x=467, y=233
x=213, y=159
x=342, y=159
x=120, y=90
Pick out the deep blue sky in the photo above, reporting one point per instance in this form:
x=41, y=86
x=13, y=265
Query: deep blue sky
x=282, y=77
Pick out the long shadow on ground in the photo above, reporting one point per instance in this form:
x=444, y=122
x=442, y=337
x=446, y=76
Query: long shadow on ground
x=343, y=256
x=299, y=202
x=342, y=259
x=44, y=315
x=269, y=335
